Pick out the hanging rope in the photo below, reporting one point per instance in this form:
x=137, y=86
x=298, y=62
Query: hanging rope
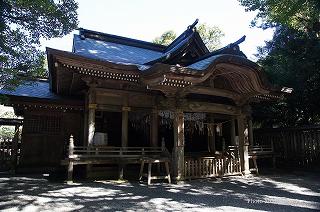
x=193, y=121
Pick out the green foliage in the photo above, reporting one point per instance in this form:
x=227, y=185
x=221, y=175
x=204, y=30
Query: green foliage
x=6, y=132
x=22, y=24
x=292, y=59
x=166, y=38
x=302, y=15
x=211, y=36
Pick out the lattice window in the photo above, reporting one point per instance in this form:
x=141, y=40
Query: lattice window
x=42, y=124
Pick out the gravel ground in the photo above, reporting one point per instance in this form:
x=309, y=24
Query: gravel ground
x=273, y=192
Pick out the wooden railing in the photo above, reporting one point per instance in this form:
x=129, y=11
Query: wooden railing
x=296, y=146
x=83, y=154
x=105, y=152
x=111, y=155
x=204, y=167
x=262, y=151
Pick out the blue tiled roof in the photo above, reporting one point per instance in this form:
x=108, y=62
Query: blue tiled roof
x=113, y=52
x=203, y=64
x=221, y=58
x=179, y=44
x=36, y=89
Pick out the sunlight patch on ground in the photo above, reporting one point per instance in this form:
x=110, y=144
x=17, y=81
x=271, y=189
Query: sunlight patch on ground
x=295, y=188
x=232, y=194
x=291, y=202
x=83, y=192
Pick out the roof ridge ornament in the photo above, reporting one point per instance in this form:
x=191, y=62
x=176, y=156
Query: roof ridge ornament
x=194, y=24
x=81, y=33
x=241, y=40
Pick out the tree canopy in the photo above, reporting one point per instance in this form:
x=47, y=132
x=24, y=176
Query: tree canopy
x=300, y=15
x=290, y=59
x=22, y=24
x=166, y=38
x=211, y=36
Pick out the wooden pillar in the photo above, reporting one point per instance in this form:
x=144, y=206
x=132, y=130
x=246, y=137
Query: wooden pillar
x=85, y=122
x=124, y=126
x=154, y=128
x=233, y=132
x=124, y=136
x=243, y=146
x=91, y=115
x=250, y=131
x=178, y=149
x=70, y=160
x=211, y=136
x=15, y=141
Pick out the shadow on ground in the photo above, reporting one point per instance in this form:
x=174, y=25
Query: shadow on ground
x=268, y=192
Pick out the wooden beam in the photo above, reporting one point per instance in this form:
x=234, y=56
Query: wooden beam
x=113, y=92
x=193, y=106
x=109, y=108
x=212, y=92
x=118, y=108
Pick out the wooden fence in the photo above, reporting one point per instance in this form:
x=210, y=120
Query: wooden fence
x=10, y=147
x=5, y=150
x=9, y=152
x=6, y=153
x=203, y=167
x=296, y=146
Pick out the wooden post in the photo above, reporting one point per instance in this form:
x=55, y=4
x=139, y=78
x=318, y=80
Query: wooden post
x=154, y=128
x=163, y=145
x=70, y=158
x=178, y=149
x=124, y=126
x=91, y=121
x=124, y=136
x=223, y=144
x=91, y=116
x=250, y=131
x=15, y=149
x=86, y=122
x=211, y=135
x=243, y=146
x=149, y=172
x=233, y=132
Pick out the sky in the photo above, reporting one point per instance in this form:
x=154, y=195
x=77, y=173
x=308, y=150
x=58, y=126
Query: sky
x=147, y=19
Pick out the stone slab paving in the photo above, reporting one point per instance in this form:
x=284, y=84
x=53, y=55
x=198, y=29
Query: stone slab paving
x=282, y=192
